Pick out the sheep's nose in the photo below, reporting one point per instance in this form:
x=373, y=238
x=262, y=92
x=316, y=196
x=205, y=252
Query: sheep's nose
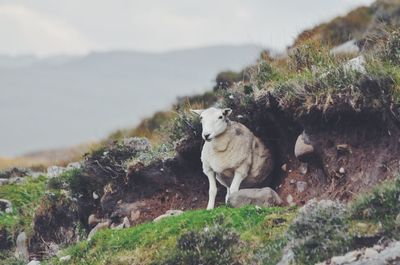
x=206, y=136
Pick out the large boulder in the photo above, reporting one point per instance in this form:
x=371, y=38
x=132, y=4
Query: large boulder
x=265, y=197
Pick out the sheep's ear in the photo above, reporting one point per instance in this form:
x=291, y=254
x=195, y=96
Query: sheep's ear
x=226, y=112
x=197, y=111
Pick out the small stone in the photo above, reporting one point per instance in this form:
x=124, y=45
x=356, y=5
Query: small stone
x=343, y=149
x=370, y=253
x=126, y=222
x=8, y=210
x=284, y=167
x=95, y=195
x=342, y=170
x=169, y=213
x=289, y=200
x=74, y=165
x=301, y=186
x=378, y=248
x=303, y=168
x=65, y=258
x=292, y=181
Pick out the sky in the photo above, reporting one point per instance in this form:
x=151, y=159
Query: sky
x=54, y=27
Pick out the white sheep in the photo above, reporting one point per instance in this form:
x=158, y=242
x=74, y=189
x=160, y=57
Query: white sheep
x=231, y=153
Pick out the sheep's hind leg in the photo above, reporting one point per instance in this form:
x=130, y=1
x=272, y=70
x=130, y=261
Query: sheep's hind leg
x=212, y=192
x=223, y=183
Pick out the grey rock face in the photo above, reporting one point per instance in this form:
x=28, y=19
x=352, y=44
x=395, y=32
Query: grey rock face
x=376, y=255
x=264, y=197
x=169, y=213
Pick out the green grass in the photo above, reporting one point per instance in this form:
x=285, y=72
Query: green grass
x=151, y=242
x=25, y=198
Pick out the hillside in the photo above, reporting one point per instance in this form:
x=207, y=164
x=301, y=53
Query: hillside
x=332, y=124
x=104, y=91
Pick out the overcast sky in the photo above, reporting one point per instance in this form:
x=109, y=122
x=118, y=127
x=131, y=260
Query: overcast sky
x=48, y=27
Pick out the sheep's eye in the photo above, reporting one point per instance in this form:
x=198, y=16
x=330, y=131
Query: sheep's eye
x=220, y=117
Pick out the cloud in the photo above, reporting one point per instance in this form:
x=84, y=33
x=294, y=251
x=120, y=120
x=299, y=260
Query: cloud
x=25, y=31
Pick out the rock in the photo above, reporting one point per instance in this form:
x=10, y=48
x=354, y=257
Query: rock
x=287, y=256
x=346, y=48
x=55, y=171
x=370, y=256
x=303, y=149
x=3, y=181
x=74, y=165
x=301, y=186
x=125, y=209
x=370, y=253
x=343, y=149
x=135, y=215
x=65, y=258
x=169, y=213
x=16, y=180
x=303, y=168
x=125, y=224
x=292, y=181
x=284, y=167
x=34, y=262
x=356, y=64
x=93, y=220
x=8, y=210
x=95, y=195
x=97, y=228
x=289, y=200
x=21, y=250
x=342, y=170
x=264, y=197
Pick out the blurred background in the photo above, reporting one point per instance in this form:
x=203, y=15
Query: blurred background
x=72, y=72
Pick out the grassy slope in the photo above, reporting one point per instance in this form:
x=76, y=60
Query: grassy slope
x=25, y=198
x=151, y=242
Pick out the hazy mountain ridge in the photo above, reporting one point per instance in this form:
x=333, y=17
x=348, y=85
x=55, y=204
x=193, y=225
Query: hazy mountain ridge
x=65, y=93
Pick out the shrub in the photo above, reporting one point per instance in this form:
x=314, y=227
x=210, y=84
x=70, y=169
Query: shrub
x=185, y=125
x=215, y=245
x=319, y=232
x=381, y=205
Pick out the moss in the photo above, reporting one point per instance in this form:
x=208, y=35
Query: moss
x=25, y=198
x=257, y=228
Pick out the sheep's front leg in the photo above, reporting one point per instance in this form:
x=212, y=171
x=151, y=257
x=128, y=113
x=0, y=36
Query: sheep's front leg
x=237, y=180
x=212, y=192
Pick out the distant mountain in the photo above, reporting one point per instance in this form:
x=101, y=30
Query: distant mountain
x=60, y=101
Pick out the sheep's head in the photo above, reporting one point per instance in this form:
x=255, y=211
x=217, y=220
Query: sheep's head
x=214, y=121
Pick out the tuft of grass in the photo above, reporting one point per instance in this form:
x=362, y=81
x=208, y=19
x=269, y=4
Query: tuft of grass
x=153, y=242
x=382, y=206
x=25, y=198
